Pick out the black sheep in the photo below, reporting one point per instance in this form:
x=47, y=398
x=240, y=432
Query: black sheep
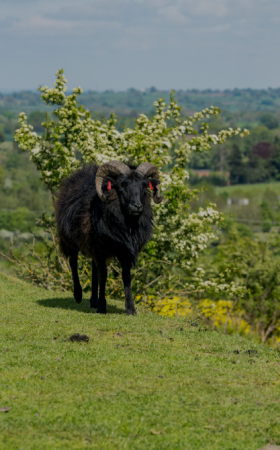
x=106, y=212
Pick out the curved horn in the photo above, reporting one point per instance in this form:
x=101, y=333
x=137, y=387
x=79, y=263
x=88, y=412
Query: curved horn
x=114, y=168
x=150, y=170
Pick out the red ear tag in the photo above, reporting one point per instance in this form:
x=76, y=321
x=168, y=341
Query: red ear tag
x=109, y=186
x=151, y=186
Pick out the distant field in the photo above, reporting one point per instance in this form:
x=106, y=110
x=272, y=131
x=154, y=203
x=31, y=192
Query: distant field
x=252, y=214
x=261, y=187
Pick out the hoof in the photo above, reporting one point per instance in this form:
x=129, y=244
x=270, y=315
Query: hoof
x=131, y=312
x=78, y=295
x=93, y=303
x=101, y=311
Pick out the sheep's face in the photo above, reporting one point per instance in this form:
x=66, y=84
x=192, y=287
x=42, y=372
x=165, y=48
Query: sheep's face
x=132, y=190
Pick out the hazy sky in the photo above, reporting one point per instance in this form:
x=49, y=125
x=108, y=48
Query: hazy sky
x=117, y=44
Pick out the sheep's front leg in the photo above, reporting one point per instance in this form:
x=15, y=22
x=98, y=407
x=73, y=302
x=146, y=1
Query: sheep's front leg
x=102, y=278
x=129, y=303
x=94, y=286
x=78, y=292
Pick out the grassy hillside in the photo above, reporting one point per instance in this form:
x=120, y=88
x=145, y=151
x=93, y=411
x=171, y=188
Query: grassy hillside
x=140, y=382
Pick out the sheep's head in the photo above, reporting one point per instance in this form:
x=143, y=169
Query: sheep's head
x=131, y=185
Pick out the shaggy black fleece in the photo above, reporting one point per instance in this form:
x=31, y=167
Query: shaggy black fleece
x=102, y=230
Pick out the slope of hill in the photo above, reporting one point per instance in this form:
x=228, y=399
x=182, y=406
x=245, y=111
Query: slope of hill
x=140, y=382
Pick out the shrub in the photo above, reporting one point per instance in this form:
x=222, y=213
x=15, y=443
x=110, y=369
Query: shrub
x=255, y=264
x=20, y=219
x=167, y=265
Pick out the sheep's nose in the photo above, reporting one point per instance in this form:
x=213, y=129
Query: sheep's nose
x=138, y=206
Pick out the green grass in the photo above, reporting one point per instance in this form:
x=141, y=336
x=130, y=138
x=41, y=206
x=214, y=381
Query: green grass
x=128, y=380
x=254, y=188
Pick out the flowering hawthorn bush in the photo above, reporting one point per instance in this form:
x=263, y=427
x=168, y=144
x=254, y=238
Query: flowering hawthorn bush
x=167, y=265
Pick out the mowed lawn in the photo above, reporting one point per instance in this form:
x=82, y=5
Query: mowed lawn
x=144, y=382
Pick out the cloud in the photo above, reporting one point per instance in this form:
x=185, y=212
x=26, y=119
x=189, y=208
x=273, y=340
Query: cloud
x=42, y=25
x=61, y=17
x=171, y=10
x=169, y=42
x=174, y=15
x=158, y=22
x=213, y=8
x=106, y=10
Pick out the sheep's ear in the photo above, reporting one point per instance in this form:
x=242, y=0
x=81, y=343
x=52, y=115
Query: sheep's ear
x=154, y=182
x=156, y=191
x=113, y=168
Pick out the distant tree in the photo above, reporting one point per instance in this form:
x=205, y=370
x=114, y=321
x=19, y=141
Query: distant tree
x=218, y=178
x=263, y=149
x=267, y=102
x=2, y=177
x=2, y=136
x=264, y=162
x=236, y=166
x=237, y=93
x=257, y=169
x=275, y=159
x=36, y=118
x=269, y=121
x=220, y=158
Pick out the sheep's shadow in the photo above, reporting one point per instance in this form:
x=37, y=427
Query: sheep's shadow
x=70, y=304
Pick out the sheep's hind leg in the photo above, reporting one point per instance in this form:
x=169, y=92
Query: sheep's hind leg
x=102, y=278
x=129, y=303
x=94, y=287
x=78, y=292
